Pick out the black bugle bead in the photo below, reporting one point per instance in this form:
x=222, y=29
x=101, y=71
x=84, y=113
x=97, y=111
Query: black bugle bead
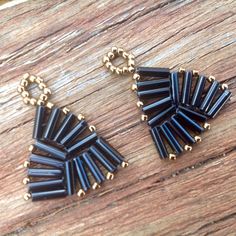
x=45, y=185
x=197, y=94
x=95, y=171
x=51, y=123
x=153, y=72
x=69, y=177
x=39, y=159
x=182, y=132
x=75, y=132
x=159, y=142
x=55, y=152
x=174, y=78
x=48, y=194
x=156, y=119
x=219, y=103
x=114, y=156
x=153, y=84
x=193, y=114
x=186, y=88
x=209, y=96
x=88, y=140
x=157, y=105
x=65, y=126
x=152, y=93
x=38, y=122
x=40, y=172
x=175, y=145
x=82, y=175
x=194, y=125
x=102, y=159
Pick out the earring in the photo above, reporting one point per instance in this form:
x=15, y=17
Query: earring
x=67, y=156
x=176, y=118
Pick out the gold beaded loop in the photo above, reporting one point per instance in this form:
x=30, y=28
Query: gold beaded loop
x=22, y=89
x=115, y=53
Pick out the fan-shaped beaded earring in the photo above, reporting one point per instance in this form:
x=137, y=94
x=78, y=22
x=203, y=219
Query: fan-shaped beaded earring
x=176, y=117
x=67, y=156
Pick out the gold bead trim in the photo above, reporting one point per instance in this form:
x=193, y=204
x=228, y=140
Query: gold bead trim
x=28, y=79
x=115, y=53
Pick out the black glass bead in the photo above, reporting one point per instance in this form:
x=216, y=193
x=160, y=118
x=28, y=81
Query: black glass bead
x=39, y=159
x=186, y=88
x=157, y=105
x=191, y=123
x=153, y=72
x=38, y=122
x=197, y=94
x=209, y=96
x=153, y=84
x=55, y=152
x=65, y=126
x=75, y=132
x=45, y=185
x=159, y=142
x=51, y=123
x=175, y=145
x=95, y=171
x=69, y=177
x=152, y=93
x=88, y=140
x=82, y=176
x=174, y=78
x=102, y=159
x=156, y=119
x=113, y=155
x=219, y=103
x=193, y=114
x=182, y=132
x=48, y=194
x=40, y=172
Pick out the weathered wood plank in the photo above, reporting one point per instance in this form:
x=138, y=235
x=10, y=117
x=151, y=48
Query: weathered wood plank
x=64, y=41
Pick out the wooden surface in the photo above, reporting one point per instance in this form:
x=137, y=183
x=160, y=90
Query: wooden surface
x=64, y=41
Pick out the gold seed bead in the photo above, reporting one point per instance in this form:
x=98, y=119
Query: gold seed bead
x=49, y=105
x=108, y=65
x=224, y=86
x=136, y=76
x=181, y=70
x=92, y=128
x=120, y=51
x=26, y=181
x=47, y=91
x=139, y=104
x=134, y=87
x=66, y=110
x=207, y=126
x=40, y=103
x=81, y=117
x=211, y=78
x=131, y=69
x=26, y=100
x=27, y=196
x=118, y=71
x=198, y=139
x=26, y=76
x=111, y=55
x=125, y=55
x=43, y=97
x=25, y=94
x=188, y=148
x=33, y=101
x=124, y=164
x=31, y=148
x=172, y=156
x=114, y=50
x=20, y=89
x=96, y=186
x=26, y=164
x=81, y=193
x=195, y=73
x=42, y=85
x=24, y=83
x=110, y=176
x=144, y=117
x=125, y=69
x=105, y=59
x=131, y=63
x=112, y=68
x=39, y=79
x=32, y=78
x=131, y=56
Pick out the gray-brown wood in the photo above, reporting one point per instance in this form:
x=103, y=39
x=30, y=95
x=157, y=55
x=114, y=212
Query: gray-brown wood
x=64, y=41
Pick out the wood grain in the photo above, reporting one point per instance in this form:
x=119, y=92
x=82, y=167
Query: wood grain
x=64, y=41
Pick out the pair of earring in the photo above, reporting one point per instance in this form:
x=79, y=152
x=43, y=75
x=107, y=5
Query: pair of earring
x=68, y=156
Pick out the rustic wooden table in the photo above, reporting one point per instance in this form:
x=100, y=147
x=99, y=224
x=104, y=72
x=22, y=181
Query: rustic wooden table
x=64, y=41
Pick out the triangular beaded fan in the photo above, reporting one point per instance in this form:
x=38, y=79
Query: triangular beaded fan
x=67, y=154
x=176, y=105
